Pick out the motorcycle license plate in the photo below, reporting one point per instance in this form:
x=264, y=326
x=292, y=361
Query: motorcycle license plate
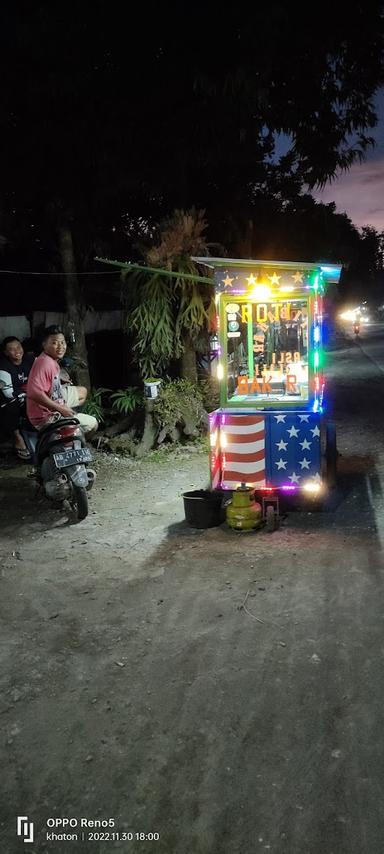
x=72, y=457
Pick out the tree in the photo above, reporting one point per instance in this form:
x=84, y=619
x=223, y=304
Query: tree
x=103, y=126
x=75, y=306
x=365, y=275
x=372, y=250
x=166, y=314
x=181, y=115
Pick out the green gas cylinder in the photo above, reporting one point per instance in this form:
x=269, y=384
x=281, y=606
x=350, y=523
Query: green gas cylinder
x=244, y=513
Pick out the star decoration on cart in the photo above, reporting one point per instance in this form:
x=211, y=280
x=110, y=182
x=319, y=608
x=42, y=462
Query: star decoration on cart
x=297, y=277
x=282, y=446
x=292, y=432
x=304, y=463
x=251, y=280
x=274, y=279
x=227, y=281
x=281, y=464
x=294, y=478
x=305, y=446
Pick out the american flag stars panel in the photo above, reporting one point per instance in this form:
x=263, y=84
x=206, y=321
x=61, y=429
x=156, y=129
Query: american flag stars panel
x=293, y=448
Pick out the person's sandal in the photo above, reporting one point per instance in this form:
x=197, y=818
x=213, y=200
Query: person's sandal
x=23, y=454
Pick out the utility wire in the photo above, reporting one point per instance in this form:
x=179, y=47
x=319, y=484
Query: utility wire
x=37, y=273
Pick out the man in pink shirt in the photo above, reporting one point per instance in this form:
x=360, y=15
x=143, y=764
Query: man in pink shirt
x=47, y=399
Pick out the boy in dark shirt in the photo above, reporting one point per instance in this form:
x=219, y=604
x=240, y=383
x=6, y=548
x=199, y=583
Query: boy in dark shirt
x=15, y=367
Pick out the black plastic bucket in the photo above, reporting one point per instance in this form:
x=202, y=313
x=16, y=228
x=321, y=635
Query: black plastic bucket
x=202, y=508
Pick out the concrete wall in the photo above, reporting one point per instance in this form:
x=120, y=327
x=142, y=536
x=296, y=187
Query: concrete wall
x=94, y=321
x=18, y=326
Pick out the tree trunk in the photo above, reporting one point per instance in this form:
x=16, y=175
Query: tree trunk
x=188, y=359
x=150, y=431
x=75, y=308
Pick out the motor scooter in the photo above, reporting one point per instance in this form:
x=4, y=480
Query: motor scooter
x=61, y=462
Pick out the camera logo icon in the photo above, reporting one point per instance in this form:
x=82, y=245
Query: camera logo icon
x=25, y=828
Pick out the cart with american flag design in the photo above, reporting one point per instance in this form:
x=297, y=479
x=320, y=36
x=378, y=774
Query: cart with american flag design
x=270, y=428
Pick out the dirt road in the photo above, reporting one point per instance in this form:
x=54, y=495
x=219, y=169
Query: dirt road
x=135, y=688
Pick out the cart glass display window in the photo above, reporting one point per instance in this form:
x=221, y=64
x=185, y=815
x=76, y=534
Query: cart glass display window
x=266, y=347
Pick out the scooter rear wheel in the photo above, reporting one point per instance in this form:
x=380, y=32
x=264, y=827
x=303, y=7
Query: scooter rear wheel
x=79, y=502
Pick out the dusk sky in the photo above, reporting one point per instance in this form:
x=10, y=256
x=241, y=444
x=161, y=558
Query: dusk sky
x=360, y=192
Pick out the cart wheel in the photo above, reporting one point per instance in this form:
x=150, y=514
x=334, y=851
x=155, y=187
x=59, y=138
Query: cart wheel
x=331, y=454
x=270, y=519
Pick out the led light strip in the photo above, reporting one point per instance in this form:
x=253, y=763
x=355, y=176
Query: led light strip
x=317, y=340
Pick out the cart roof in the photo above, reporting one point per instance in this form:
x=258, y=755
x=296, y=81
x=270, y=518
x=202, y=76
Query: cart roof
x=331, y=272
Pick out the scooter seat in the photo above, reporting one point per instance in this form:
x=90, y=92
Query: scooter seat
x=53, y=425
x=45, y=432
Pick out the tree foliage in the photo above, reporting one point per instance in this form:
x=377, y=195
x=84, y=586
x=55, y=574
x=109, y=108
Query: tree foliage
x=159, y=309
x=168, y=115
x=110, y=126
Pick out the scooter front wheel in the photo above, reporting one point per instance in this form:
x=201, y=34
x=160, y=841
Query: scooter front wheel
x=79, y=502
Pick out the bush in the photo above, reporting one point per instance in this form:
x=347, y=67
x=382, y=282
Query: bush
x=126, y=400
x=94, y=404
x=179, y=409
x=210, y=393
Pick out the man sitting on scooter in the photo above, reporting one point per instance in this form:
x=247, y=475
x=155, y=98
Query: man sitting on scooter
x=15, y=367
x=47, y=398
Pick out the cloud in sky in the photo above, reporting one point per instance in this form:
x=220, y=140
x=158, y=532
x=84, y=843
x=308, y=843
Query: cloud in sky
x=359, y=193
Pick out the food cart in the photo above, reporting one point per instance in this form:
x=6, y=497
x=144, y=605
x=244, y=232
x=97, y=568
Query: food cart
x=270, y=431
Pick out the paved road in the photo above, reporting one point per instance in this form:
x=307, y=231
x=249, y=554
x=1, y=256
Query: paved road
x=370, y=339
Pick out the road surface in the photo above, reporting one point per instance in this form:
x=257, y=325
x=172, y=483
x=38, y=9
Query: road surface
x=222, y=690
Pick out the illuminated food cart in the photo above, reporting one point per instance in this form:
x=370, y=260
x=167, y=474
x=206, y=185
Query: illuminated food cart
x=269, y=431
